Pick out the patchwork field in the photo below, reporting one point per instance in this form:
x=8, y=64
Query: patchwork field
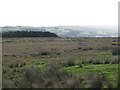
x=60, y=62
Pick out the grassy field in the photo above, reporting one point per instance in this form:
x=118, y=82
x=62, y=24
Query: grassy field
x=60, y=62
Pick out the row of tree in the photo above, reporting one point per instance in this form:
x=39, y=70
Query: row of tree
x=28, y=34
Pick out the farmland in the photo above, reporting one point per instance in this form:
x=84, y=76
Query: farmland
x=60, y=62
x=70, y=31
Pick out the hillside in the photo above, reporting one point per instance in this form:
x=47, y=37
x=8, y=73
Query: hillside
x=71, y=31
x=84, y=31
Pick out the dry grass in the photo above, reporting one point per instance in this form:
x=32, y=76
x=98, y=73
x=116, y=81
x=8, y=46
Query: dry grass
x=39, y=61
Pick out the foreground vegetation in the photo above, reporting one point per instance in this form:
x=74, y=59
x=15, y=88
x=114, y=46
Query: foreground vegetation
x=60, y=62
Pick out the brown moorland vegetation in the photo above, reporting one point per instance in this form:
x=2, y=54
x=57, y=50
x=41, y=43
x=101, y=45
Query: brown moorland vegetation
x=60, y=62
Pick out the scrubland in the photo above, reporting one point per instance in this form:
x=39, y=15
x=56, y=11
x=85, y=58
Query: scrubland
x=60, y=62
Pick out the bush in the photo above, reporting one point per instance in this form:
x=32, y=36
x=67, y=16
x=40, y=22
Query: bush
x=68, y=62
x=56, y=78
x=96, y=80
x=16, y=64
x=46, y=53
x=115, y=61
x=105, y=48
x=7, y=83
x=115, y=51
x=51, y=77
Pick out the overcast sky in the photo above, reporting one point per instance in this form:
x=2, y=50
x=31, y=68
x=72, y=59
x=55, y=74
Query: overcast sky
x=58, y=12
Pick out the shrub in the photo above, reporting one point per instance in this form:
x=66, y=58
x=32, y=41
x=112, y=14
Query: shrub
x=115, y=61
x=16, y=64
x=48, y=78
x=22, y=83
x=79, y=63
x=56, y=78
x=97, y=62
x=72, y=83
x=7, y=83
x=79, y=48
x=33, y=77
x=95, y=80
x=115, y=51
x=106, y=61
x=46, y=53
x=51, y=77
x=105, y=48
x=69, y=62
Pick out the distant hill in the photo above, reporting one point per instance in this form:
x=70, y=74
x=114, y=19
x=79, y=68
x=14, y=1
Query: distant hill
x=21, y=28
x=71, y=31
x=85, y=31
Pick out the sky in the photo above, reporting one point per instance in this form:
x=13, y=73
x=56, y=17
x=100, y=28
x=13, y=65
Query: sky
x=58, y=12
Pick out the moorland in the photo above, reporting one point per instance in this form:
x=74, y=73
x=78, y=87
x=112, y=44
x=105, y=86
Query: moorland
x=54, y=62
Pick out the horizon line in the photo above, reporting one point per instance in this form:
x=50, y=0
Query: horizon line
x=50, y=25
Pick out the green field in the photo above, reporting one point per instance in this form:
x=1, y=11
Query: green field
x=69, y=31
x=60, y=63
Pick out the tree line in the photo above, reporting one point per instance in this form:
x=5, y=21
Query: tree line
x=28, y=34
